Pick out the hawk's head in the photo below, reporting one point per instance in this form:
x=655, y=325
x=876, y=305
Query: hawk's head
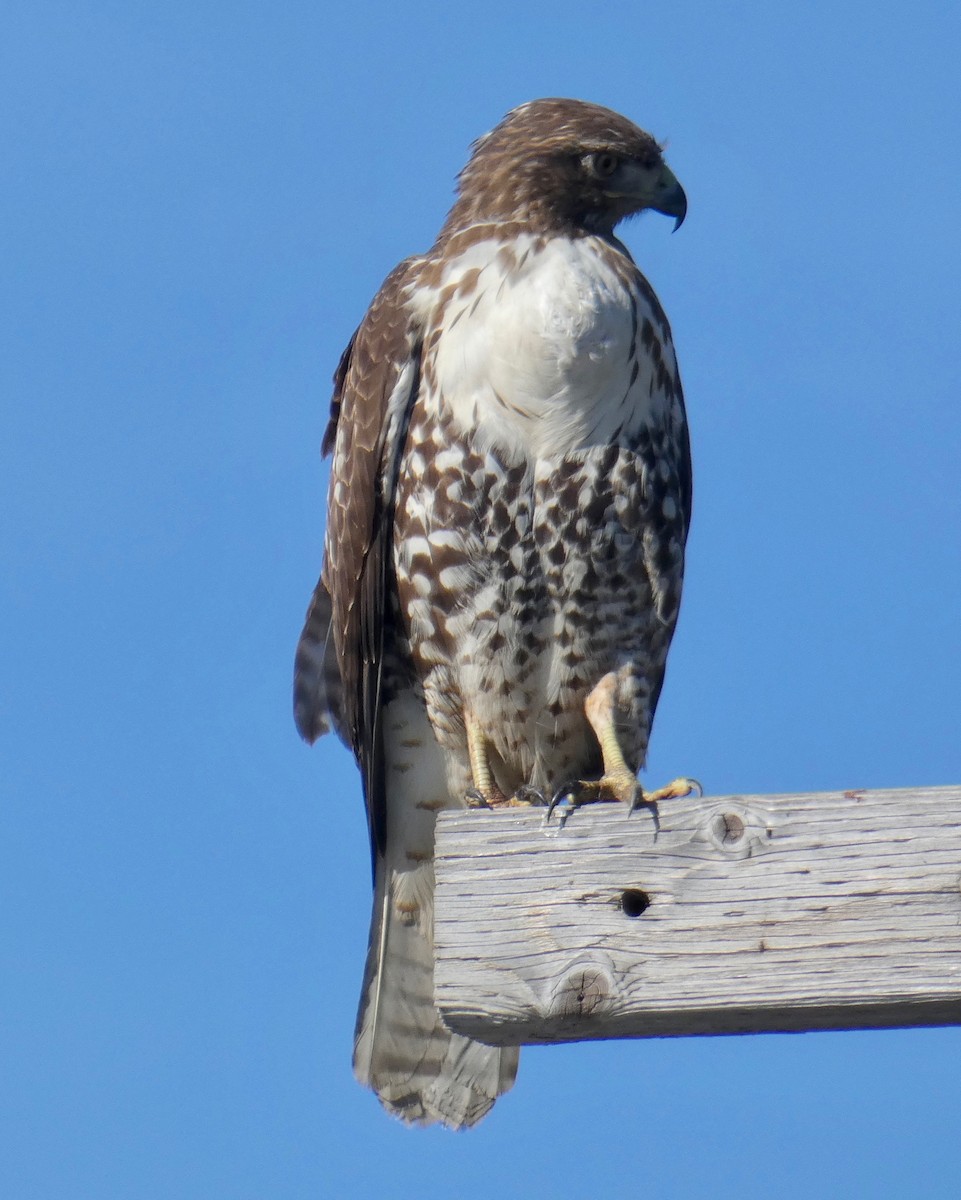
x=565, y=165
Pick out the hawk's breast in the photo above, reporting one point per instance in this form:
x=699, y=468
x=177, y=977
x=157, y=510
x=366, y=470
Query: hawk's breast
x=536, y=345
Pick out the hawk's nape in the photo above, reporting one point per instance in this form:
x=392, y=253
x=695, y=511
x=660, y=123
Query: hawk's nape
x=509, y=501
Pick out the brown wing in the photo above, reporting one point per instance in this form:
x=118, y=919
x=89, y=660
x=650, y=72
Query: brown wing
x=666, y=563
x=337, y=672
x=318, y=695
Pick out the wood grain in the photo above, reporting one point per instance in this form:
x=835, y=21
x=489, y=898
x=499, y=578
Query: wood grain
x=727, y=914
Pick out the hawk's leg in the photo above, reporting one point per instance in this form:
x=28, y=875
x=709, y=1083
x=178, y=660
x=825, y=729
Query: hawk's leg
x=485, y=793
x=618, y=781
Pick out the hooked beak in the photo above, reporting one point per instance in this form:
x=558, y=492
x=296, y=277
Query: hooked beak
x=670, y=199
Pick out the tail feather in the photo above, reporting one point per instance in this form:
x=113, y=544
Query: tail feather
x=421, y=1071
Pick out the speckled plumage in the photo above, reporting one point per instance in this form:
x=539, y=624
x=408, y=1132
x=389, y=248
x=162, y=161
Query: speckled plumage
x=509, y=501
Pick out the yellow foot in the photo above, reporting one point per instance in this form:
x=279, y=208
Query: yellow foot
x=622, y=786
x=524, y=797
x=618, y=785
x=677, y=789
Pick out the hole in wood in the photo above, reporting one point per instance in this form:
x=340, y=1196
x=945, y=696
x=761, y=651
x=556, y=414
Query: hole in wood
x=634, y=902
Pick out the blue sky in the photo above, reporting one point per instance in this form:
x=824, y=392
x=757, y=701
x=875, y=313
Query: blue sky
x=196, y=204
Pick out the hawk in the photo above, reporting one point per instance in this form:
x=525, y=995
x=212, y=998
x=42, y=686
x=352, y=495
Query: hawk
x=509, y=502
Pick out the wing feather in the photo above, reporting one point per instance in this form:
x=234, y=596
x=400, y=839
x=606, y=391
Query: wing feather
x=340, y=657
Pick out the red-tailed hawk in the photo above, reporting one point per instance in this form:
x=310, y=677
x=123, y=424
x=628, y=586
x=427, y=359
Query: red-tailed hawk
x=509, y=500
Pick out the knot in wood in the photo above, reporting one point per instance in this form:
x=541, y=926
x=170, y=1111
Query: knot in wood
x=586, y=990
x=728, y=828
x=734, y=830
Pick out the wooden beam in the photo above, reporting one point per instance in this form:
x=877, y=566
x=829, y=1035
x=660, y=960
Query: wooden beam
x=730, y=914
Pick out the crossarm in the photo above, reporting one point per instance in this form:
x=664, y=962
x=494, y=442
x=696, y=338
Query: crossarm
x=729, y=914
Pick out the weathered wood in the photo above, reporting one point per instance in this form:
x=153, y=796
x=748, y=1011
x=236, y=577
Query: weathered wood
x=822, y=911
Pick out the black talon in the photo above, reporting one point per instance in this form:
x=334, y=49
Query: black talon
x=475, y=798
x=641, y=801
x=567, y=791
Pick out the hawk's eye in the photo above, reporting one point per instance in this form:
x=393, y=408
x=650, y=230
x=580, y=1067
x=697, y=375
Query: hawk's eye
x=605, y=164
